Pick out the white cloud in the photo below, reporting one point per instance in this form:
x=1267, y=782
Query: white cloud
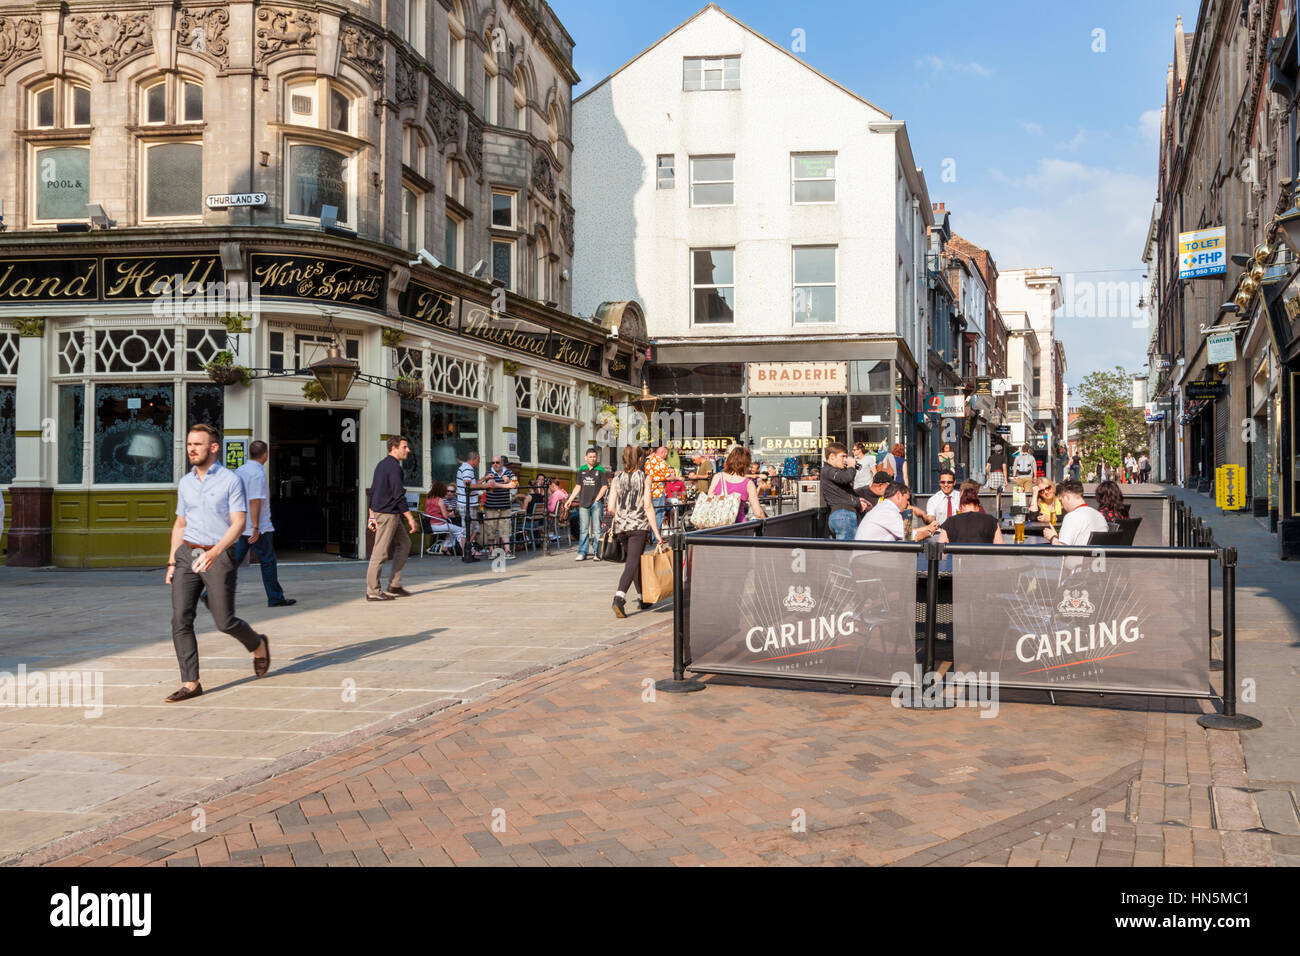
x=938, y=64
x=1033, y=129
x=1149, y=124
x=1075, y=142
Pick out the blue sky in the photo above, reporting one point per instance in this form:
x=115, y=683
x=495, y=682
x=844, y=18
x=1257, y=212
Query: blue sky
x=1051, y=145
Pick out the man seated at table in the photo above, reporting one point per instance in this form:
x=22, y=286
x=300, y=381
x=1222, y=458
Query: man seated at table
x=945, y=502
x=1048, y=508
x=873, y=492
x=1080, y=521
x=884, y=522
x=703, y=473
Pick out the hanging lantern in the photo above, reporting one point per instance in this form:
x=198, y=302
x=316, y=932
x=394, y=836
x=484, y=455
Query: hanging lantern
x=335, y=373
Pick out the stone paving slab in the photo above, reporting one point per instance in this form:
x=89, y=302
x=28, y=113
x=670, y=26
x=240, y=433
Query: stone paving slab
x=340, y=665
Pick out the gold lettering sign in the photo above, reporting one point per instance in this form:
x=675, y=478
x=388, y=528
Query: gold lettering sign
x=503, y=331
x=816, y=378
x=146, y=277
x=1292, y=306
x=321, y=278
x=573, y=352
x=420, y=303
x=701, y=444
x=49, y=280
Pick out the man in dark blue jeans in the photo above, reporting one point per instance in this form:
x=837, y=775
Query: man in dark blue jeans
x=837, y=492
x=258, y=531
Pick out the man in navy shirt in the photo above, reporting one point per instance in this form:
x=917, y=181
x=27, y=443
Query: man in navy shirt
x=210, y=510
x=387, y=507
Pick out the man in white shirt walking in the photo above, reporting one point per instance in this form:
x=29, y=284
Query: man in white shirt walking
x=259, y=532
x=1081, y=519
x=884, y=522
x=945, y=502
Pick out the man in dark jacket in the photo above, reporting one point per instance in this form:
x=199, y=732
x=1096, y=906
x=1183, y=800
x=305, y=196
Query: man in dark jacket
x=837, y=477
x=387, y=510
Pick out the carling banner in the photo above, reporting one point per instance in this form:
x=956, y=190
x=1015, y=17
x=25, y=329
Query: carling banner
x=1124, y=625
x=789, y=612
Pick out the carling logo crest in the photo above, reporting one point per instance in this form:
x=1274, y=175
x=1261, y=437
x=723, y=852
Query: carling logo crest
x=799, y=599
x=1075, y=604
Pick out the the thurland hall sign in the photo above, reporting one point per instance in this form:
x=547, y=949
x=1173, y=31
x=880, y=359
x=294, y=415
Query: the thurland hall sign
x=448, y=313
x=798, y=378
x=1202, y=253
x=105, y=278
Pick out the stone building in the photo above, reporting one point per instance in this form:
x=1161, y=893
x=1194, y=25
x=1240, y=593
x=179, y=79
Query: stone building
x=311, y=149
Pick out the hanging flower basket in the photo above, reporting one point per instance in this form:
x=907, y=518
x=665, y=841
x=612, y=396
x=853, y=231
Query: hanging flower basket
x=223, y=371
x=409, y=387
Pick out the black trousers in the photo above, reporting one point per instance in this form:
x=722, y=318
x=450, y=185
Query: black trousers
x=634, y=542
x=187, y=585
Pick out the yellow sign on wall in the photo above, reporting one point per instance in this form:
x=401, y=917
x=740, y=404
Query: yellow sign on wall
x=1230, y=487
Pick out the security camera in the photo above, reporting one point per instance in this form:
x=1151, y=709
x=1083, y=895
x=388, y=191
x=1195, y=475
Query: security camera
x=478, y=266
x=425, y=256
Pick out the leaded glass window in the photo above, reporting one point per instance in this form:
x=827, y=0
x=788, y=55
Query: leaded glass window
x=134, y=434
x=205, y=405
x=72, y=431
x=8, y=425
x=413, y=429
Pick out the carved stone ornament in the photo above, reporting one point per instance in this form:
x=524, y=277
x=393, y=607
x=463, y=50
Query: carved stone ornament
x=443, y=116
x=29, y=328
x=108, y=38
x=408, y=81
x=18, y=35
x=282, y=30
x=566, y=225
x=543, y=177
x=474, y=143
x=364, y=50
x=203, y=30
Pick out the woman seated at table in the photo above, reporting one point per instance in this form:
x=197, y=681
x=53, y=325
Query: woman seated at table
x=972, y=524
x=435, y=509
x=1048, y=508
x=1110, y=501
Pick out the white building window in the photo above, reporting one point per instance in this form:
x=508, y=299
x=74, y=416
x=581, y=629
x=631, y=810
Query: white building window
x=412, y=218
x=665, y=177
x=814, y=284
x=171, y=180
x=59, y=104
x=713, y=180
x=490, y=86
x=812, y=177
x=553, y=126
x=711, y=73
x=317, y=176
x=713, y=286
x=413, y=150
x=171, y=101
x=455, y=182
x=521, y=102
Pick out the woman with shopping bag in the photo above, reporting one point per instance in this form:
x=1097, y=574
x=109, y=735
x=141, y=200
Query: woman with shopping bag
x=732, y=497
x=632, y=510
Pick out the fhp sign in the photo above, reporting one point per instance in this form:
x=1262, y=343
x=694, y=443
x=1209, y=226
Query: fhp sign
x=1202, y=253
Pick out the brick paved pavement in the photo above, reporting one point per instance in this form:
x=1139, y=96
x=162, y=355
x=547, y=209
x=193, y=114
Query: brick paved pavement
x=576, y=768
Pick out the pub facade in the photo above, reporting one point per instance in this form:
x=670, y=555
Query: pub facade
x=203, y=199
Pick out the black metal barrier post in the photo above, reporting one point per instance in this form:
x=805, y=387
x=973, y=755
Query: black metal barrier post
x=1229, y=719
x=919, y=699
x=680, y=683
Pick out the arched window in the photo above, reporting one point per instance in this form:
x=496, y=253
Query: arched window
x=543, y=267
x=59, y=104
x=490, y=85
x=456, y=46
x=415, y=24
x=521, y=102
x=320, y=169
x=553, y=125
x=59, y=178
x=171, y=101
x=321, y=103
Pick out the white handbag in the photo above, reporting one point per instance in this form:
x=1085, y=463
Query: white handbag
x=714, y=511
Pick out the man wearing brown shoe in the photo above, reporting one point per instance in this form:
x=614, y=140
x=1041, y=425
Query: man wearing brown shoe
x=210, y=515
x=387, y=508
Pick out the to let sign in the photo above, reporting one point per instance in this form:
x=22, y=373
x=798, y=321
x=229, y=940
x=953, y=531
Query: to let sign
x=1202, y=253
x=798, y=378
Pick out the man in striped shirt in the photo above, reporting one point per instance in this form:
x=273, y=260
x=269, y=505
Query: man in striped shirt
x=467, y=503
x=500, y=483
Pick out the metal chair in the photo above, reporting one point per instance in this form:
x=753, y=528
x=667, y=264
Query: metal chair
x=1128, y=528
x=1107, y=538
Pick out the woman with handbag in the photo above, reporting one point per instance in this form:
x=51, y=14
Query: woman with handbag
x=734, y=480
x=632, y=509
